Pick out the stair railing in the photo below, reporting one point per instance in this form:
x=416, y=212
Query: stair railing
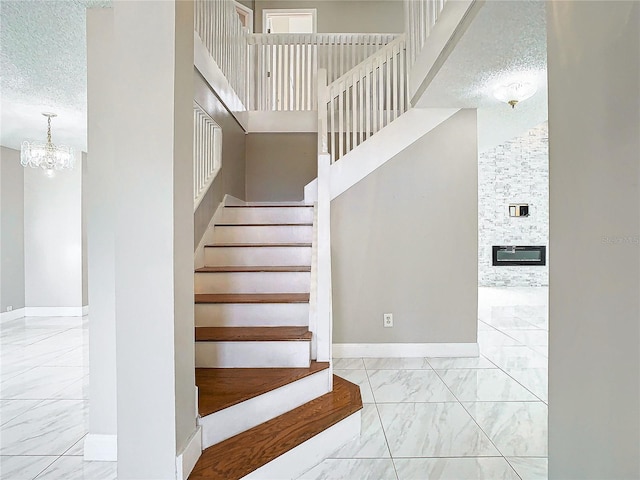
x=207, y=152
x=218, y=25
x=365, y=99
x=420, y=18
x=286, y=65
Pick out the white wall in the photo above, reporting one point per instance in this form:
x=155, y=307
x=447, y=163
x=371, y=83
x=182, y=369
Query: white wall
x=153, y=247
x=85, y=264
x=183, y=227
x=100, y=188
x=53, y=237
x=594, y=277
x=515, y=172
x=11, y=230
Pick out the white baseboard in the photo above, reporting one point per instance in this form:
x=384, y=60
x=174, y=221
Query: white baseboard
x=103, y=448
x=189, y=456
x=55, y=311
x=85, y=310
x=395, y=350
x=12, y=315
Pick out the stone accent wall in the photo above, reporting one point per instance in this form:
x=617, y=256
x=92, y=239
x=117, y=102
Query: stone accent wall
x=514, y=172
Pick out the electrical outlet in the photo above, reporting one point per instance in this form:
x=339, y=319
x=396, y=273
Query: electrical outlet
x=9, y=308
x=387, y=321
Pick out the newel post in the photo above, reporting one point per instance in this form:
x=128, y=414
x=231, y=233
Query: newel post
x=324, y=297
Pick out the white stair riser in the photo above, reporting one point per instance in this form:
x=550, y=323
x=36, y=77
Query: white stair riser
x=267, y=215
x=229, y=422
x=253, y=282
x=277, y=354
x=252, y=314
x=263, y=234
x=298, y=460
x=262, y=256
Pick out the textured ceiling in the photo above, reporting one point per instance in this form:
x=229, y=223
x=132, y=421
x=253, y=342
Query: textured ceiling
x=43, y=65
x=506, y=40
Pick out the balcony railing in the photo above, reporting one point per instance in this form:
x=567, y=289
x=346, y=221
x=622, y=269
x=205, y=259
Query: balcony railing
x=285, y=66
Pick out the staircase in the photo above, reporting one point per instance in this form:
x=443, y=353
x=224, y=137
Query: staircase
x=266, y=408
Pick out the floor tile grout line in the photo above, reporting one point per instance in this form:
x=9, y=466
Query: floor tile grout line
x=473, y=418
x=507, y=373
x=18, y=374
x=513, y=468
x=386, y=439
x=47, y=467
x=39, y=401
x=522, y=385
x=525, y=344
x=514, y=379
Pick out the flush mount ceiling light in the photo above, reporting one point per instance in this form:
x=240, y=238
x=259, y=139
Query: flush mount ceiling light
x=47, y=156
x=515, y=92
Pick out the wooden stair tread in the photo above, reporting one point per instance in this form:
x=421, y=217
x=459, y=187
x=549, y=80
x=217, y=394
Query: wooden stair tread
x=220, y=388
x=252, y=334
x=245, y=245
x=251, y=269
x=252, y=298
x=236, y=457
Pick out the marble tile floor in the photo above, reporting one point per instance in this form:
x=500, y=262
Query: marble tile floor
x=479, y=418
x=44, y=380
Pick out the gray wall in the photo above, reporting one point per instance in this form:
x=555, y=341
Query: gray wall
x=279, y=165
x=231, y=178
x=404, y=241
x=248, y=3
x=594, y=278
x=344, y=16
x=515, y=172
x=11, y=230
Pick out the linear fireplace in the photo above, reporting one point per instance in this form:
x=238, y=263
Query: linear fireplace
x=519, y=255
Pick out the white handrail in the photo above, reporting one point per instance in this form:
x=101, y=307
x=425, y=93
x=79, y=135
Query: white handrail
x=420, y=18
x=218, y=25
x=286, y=64
x=207, y=152
x=365, y=99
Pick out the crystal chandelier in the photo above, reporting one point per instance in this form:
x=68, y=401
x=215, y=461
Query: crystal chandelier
x=47, y=156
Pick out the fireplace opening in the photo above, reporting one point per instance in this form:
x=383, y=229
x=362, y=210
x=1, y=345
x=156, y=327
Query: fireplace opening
x=514, y=255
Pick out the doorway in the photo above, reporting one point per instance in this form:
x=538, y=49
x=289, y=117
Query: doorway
x=289, y=20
